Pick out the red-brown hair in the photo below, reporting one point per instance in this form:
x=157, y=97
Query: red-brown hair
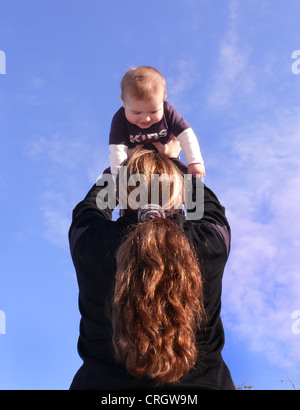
x=158, y=299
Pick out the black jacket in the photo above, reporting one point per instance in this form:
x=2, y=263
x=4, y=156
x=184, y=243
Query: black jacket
x=94, y=240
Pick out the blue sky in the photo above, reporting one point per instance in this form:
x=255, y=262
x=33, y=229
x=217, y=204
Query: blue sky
x=228, y=67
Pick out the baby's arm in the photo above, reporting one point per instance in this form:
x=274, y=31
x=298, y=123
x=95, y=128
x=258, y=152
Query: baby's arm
x=118, y=154
x=190, y=147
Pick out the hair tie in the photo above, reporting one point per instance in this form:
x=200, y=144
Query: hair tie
x=150, y=211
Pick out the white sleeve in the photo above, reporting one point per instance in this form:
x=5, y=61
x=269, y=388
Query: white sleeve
x=118, y=154
x=190, y=147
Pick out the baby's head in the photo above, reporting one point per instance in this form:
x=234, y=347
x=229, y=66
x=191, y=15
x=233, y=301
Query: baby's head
x=143, y=93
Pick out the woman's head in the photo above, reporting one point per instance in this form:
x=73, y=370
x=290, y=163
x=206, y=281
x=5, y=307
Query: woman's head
x=151, y=178
x=158, y=298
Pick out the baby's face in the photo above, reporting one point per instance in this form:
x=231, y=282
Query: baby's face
x=144, y=113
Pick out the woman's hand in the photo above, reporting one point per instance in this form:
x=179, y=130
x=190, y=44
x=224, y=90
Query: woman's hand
x=171, y=149
x=131, y=151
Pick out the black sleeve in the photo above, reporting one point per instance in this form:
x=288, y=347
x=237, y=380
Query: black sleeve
x=215, y=218
x=213, y=212
x=210, y=234
x=181, y=165
x=96, y=207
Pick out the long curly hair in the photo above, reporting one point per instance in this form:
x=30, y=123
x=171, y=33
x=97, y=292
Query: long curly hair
x=158, y=298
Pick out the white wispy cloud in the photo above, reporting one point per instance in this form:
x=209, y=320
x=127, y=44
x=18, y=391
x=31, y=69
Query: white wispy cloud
x=71, y=163
x=262, y=284
x=56, y=212
x=60, y=149
x=260, y=187
x=233, y=75
x=183, y=76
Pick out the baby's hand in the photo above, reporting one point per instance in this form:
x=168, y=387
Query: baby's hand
x=197, y=170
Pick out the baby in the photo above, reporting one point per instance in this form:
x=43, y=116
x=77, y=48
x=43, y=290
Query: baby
x=146, y=119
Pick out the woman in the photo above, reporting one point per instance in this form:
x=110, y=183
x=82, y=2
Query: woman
x=150, y=288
